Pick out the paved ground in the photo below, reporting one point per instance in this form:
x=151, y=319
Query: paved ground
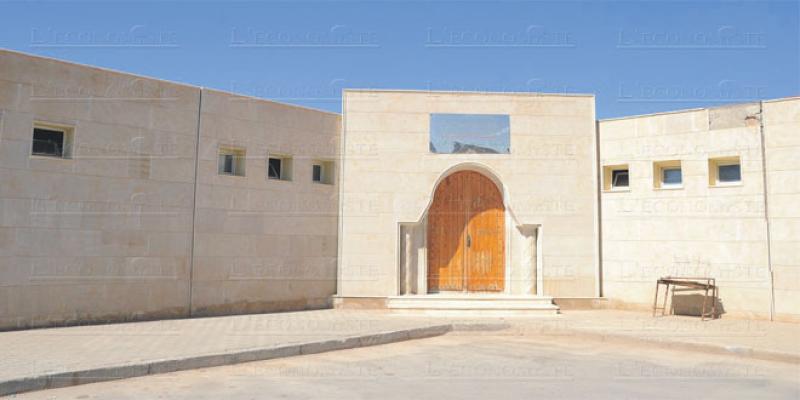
x=759, y=338
x=49, y=352
x=465, y=366
x=27, y=356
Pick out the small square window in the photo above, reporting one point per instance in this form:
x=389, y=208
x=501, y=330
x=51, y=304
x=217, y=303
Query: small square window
x=667, y=174
x=231, y=161
x=279, y=167
x=615, y=177
x=322, y=172
x=671, y=176
x=316, y=173
x=51, y=140
x=619, y=178
x=724, y=171
x=227, y=164
x=729, y=173
x=274, y=168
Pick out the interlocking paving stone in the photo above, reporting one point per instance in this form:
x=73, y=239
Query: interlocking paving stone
x=39, y=358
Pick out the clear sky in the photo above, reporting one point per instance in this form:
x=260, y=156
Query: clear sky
x=637, y=57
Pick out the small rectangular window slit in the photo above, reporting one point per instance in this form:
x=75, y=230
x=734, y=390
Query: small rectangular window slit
x=616, y=177
x=667, y=174
x=724, y=171
x=279, y=167
x=322, y=172
x=231, y=161
x=51, y=140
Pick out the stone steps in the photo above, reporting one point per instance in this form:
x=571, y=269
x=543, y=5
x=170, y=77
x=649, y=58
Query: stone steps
x=472, y=305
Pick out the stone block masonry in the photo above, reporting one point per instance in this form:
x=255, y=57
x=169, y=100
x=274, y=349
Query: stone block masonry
x=134, y=221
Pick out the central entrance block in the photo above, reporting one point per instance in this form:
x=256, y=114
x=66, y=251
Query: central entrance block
x=466, y=235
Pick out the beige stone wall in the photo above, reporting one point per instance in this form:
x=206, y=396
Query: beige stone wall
x=105, y=234
x=695, y=230
x=264, y=244
x=108, y=233
x=782, y=146
x=138, y=223
x=389, y=176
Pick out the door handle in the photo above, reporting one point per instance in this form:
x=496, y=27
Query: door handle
x=469, y=240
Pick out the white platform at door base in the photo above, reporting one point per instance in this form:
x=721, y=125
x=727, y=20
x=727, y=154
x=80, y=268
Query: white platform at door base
x=472, y=305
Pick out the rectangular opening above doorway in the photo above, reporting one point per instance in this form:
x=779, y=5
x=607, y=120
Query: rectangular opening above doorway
x=470, y=134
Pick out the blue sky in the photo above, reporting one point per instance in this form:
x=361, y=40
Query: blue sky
x=637, y=57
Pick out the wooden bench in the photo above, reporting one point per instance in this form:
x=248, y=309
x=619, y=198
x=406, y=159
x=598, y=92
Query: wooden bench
x=688, y=283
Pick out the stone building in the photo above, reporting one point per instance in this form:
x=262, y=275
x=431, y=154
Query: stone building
x=124, y=197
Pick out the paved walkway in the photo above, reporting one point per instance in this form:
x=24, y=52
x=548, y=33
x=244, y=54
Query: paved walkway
x=463, y=367
x=42, y=358
x=776, y=341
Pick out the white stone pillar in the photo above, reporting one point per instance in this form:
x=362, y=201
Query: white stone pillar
x=528, y=260
x=408, y=267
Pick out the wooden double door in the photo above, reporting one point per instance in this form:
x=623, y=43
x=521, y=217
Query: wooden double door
x=466, y=235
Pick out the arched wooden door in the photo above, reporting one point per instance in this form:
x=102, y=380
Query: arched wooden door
x=466, y=235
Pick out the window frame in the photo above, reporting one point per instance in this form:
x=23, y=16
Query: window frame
x=270, y=168
x=327, y=171
x=443, y=126
x=67, y=139
x=738, y=179
x=659, y=171
x=238, y=156
x=286, y=168
x=316, y=173
x=615, y=174
x=609, y=174
x=713, y=171
x=665, y=183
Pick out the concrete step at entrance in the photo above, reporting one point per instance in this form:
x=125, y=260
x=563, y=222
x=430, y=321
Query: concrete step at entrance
x=472, y=305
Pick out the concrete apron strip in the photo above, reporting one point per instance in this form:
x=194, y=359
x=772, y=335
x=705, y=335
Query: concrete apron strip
x=667, y=343
x=72, y=378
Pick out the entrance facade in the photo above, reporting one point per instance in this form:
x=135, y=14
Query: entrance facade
x=466, y=235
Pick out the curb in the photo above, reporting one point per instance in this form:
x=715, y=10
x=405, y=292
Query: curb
x=72, y=378
x=671, y=344
x=646, y=338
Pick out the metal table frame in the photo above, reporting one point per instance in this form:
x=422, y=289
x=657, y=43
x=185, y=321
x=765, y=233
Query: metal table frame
x=689, y=283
